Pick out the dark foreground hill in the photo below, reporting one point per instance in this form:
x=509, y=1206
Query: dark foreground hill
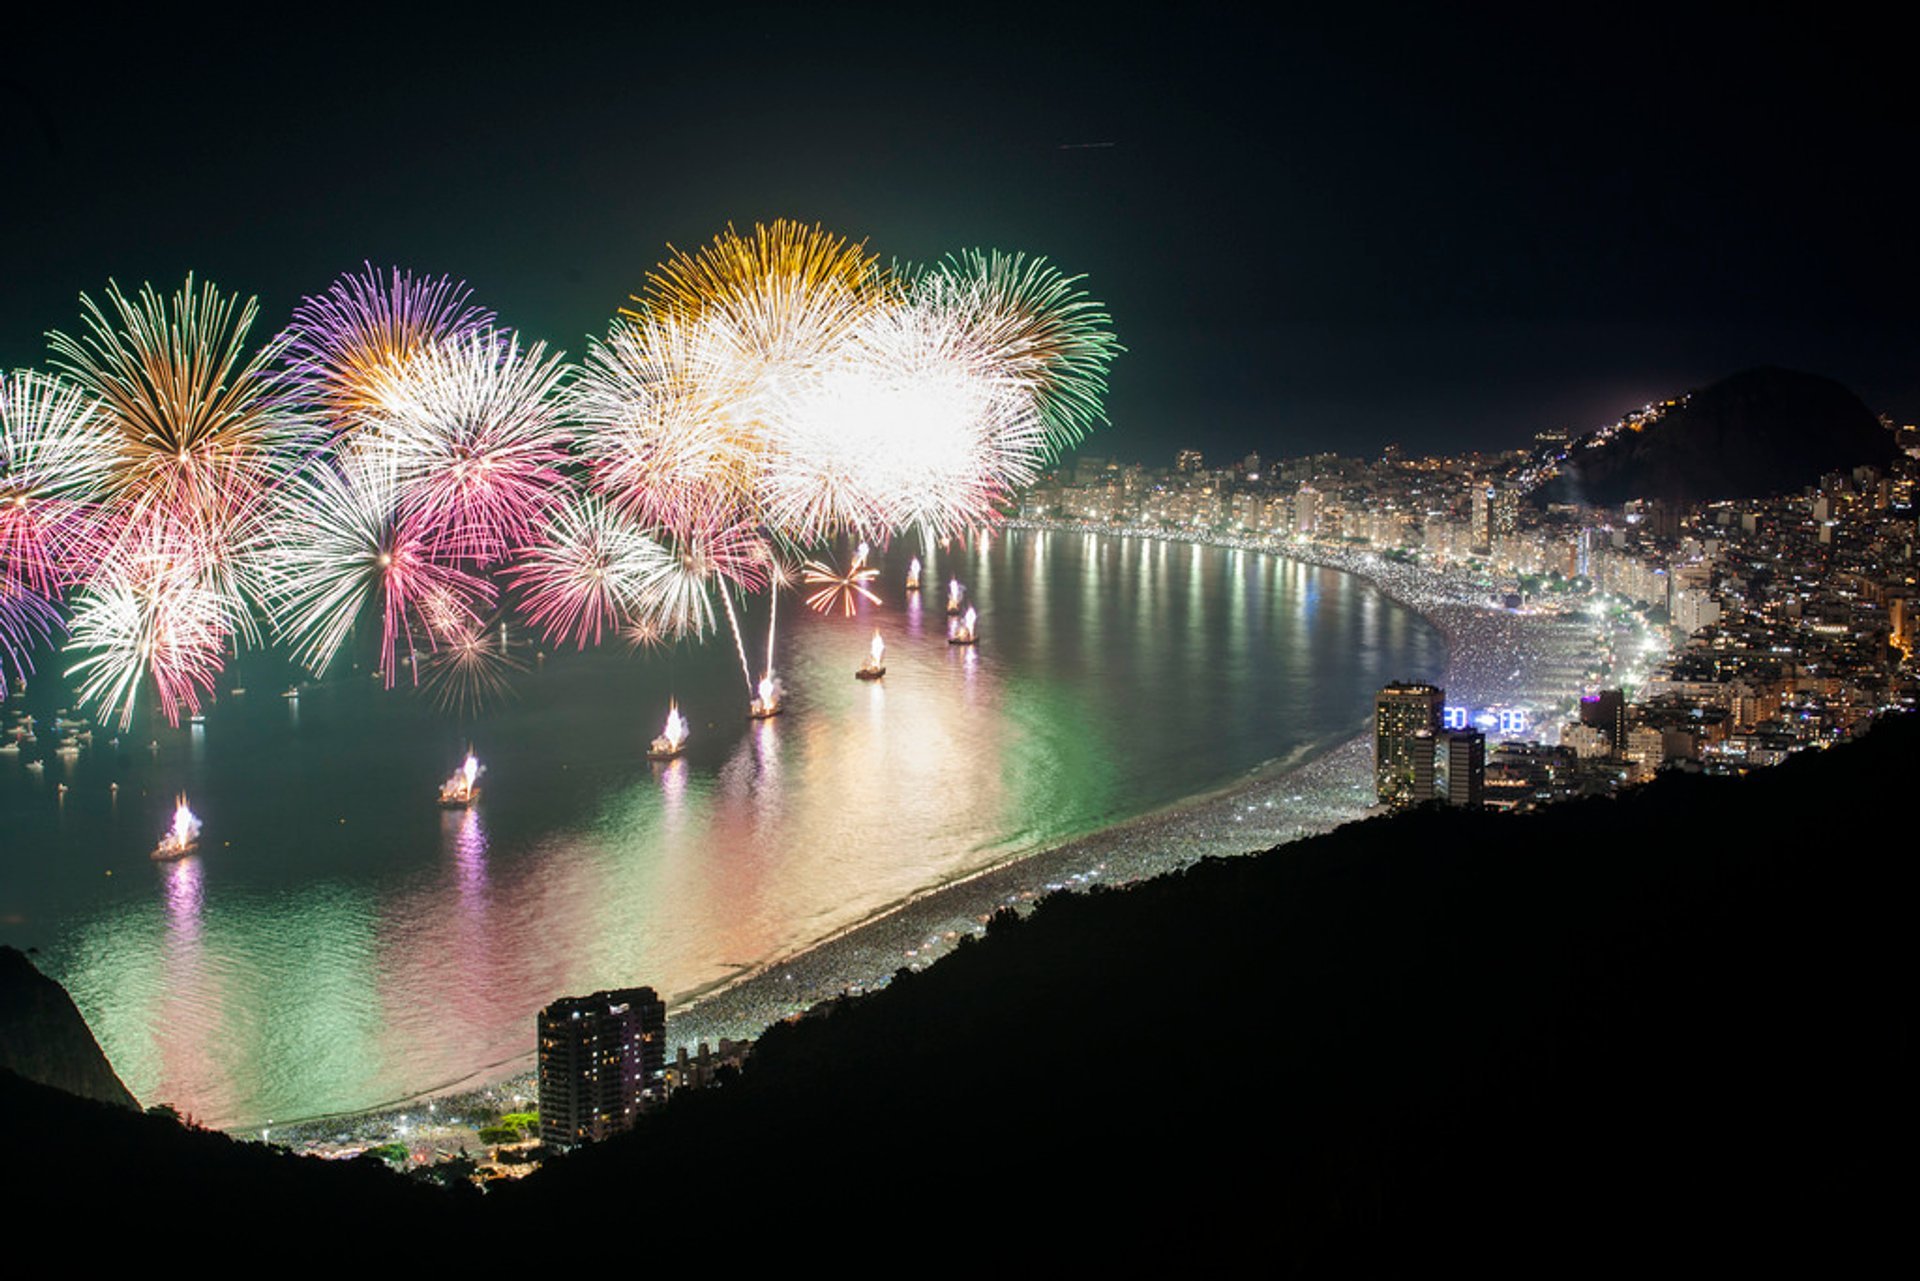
x=44, y=1039
x=1755, y=434
x=1672, y=1025
x=1671, y=1017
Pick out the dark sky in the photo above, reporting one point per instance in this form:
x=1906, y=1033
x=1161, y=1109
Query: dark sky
x=1313, y=232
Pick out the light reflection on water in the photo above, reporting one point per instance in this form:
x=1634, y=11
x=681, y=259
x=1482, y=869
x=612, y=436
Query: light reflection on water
x=341, y=942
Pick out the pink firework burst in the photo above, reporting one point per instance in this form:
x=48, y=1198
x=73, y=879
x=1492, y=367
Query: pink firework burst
x=342, y=545
x=474, y=433
x=587, y=572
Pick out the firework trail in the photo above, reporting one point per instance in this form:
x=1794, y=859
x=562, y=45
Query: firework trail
x=200, y=431
x=1033, y=325
x=677, y=600
x=199, y=436
x=394, y=452
x=475, y=432
x=471, y=669
x=668, y=426
x=739, y=641
x=839, y=588
x=149, y=612
x=342, y=544
x=780, y=575
x=347, y=350
x=588, y=571
x=780, y=297
x=51, y=462
x=909, y=425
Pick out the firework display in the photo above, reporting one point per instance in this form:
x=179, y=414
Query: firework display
x=1030, y=325
x=51, y=460
x=197, y=435
x=842, y=589
x=149, y=614
x=343, y=546
x=588, y=571
x=348, y=349
x=395, y=472
x=472, y=669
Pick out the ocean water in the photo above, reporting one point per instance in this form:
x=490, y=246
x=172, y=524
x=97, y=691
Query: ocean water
x=340, y=942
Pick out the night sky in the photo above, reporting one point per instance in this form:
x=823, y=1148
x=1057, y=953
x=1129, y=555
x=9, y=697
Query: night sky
x=1312, y=232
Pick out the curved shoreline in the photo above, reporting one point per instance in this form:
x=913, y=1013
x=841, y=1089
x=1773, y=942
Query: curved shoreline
x=1316, y=788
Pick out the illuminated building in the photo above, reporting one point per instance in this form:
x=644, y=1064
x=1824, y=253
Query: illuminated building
x=1504, y=516
x=1645, y=752
x=1606, y=711
x=1900, y=615
x=1305, y=518
x=601, y=1057
x=1426, y=783
x=1466, y=768
x=1402, y=712
x=1588, y=742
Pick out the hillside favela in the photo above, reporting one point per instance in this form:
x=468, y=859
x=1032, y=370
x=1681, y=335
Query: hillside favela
x=1229, y=643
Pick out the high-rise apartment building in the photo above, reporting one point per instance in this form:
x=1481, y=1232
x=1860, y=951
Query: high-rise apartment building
x=1427, y=783
x=1466, y=768
x=600, y=1056
x=1606, y=711
x=1401, y=713
x=1306, y=516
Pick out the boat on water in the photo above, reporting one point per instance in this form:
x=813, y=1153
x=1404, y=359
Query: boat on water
x=876, y=665
x=181, y=839
x=766, y=702
x=913, y=575
x=673, y=738
x=463, y=789
x=954, y=594
x=960, y=631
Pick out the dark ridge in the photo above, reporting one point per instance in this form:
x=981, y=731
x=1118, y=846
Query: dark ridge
x=1756, y=434
x=1673, y=1017
x=44, y=1039
x=76, y=1158
x=1673, y=1024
